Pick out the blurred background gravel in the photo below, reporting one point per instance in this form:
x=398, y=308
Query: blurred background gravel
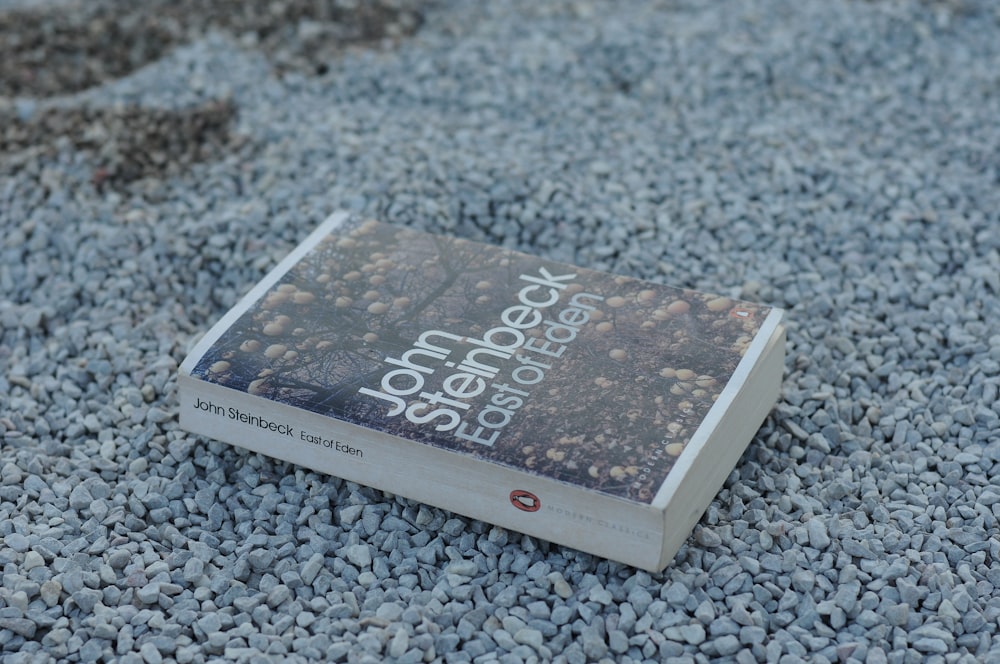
x=839, y=158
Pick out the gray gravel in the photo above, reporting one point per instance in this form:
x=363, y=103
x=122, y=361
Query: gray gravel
x=837, y=158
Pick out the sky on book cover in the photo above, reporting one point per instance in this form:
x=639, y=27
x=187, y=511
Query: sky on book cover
x=589, y=378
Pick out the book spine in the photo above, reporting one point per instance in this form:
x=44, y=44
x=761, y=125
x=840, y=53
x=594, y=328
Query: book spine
x=555, y=511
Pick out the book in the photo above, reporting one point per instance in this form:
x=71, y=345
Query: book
x=596, y=411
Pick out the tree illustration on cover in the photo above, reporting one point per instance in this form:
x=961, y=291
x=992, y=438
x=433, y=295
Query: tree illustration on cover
x=640, y=364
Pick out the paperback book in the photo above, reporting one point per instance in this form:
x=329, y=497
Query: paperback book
x=595, y=411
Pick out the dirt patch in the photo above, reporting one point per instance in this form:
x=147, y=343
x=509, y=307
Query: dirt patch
x=65, y=49
x=52, y=51
x=124, y=144
x=68, y=48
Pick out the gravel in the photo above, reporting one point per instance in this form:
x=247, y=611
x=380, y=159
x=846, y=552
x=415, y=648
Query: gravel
x=835, y=158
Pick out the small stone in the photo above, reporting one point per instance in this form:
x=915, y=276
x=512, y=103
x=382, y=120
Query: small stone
x=846, y=597
x=803, y=580
x=741, y=616
x=727, y=645
x=311, y=568
x=342, y=610
x=156, y=415
x=261, y=559
x=868, y=619
x=676, y=594
x=119, y=558
x=708, y=538
x=818, y=536
x=947, y=610
x=463, y=568
x=539, y=609
x=80, y=498
x=857, y=549
x=504, y=639
x=909, y=592
x=32, y=559
x=149, y=593
x=989, y=497
x=359, y=555
x=529, y=637
x=693, y=633
x=618, y=642
x=87, y=599
x=561, y=587
x=209, y=623
x=278, y=595
x=350, y=513
x=640, y=599
x=876, y=655
x=150, y=654
x=963, y=415
x=17, y=542
x=453, y=527
x=600, y=595
x=594, y=646
x=973, y=621
x=21, y=626
x=400, y=642
x=193, y=570
x=91, y=651
x=103, y=630
x=561, y=614
x=898, y=614
x=50, y=592
x=18, y=600
x=705, y=612
x=389, y=611
x=751, y=635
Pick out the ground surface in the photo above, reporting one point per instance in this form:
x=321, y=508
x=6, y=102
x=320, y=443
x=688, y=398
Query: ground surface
x=836, y=158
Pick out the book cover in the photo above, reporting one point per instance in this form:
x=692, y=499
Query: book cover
x=568, y=380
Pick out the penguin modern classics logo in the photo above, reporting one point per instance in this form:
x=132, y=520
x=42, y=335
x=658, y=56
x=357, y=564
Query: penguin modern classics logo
x=525, y=500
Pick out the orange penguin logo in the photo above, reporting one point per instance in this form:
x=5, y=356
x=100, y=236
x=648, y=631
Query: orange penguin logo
x=525, y=500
